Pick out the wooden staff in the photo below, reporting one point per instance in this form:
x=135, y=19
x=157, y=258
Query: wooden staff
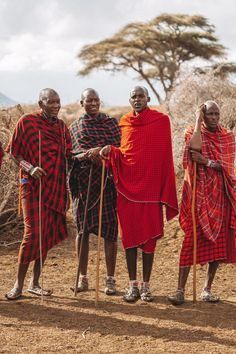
x=84, y=229
x=194, y=231
x=40, y=218
x=99, y=232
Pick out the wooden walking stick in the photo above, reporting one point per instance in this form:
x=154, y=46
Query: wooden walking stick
x=99, y=233
x=194, y=230
x=84, y=229
x=40, y=218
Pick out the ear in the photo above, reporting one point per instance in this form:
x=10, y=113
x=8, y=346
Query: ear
x=149, y=99
x=40, y=103
x=81, y=103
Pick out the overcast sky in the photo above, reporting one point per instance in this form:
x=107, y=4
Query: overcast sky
x=39, y=41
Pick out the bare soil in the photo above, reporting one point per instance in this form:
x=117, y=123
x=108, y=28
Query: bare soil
x=65, y=324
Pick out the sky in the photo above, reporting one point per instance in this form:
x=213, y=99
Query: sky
x=39, y=42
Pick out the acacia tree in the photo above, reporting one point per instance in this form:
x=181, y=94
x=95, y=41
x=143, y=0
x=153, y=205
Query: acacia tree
x=155, y=50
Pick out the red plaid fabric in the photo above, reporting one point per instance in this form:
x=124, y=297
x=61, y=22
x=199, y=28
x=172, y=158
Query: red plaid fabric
x=54, y=228
x=55, y=148
x=215, y=193
x=86, y=133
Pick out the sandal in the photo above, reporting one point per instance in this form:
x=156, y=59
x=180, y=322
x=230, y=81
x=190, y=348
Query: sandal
x=146, y=295
x=177, y=298
x=13, y=294
x=207, y=296
x=82, y=284
x=110, y=286
x=132, y=294
x=37, y=290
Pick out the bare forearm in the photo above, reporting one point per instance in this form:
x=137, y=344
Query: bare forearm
x=196, y=140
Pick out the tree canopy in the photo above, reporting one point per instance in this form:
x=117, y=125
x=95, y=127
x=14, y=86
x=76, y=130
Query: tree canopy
x=155, y=50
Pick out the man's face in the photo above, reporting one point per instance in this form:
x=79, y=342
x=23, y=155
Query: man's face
x=138, y=99
x=211, y=117
x=91, y=103
x=50, y=104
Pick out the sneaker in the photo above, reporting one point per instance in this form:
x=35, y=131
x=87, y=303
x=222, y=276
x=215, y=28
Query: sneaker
x=207, y=296
x=146, y=295
x=177, y=298
x=132, y=294
x=110, y=286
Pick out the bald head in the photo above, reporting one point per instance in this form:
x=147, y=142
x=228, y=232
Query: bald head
x=211, y=104
x=49, y=102
x=90, y=101
x=87, y=92
x=139, y=99
x=143, y=88
x=45, y=93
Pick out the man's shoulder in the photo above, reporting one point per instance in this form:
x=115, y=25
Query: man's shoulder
x=29, y=117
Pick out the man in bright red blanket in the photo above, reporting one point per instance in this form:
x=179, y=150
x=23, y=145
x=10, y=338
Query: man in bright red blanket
x=213, y=149
x=144, y=175
x=33, y=131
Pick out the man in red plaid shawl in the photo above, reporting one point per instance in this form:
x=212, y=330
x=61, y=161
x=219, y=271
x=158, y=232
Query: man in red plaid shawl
x=27, y=147
x=213, y=149
x=89, y=134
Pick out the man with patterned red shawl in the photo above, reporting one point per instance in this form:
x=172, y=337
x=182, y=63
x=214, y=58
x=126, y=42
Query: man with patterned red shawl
x=144, y=175
x=44, y=137
x=89, y=134
x=213, y=149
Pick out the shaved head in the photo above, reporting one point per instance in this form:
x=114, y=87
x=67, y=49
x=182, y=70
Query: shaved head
x=211, y=104
x=143, y=88
x=88, y=91
x=45, y=93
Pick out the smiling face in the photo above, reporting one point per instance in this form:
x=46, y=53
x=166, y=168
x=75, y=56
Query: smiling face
x=91, y=102
x=49, y=102
x=211, y=115
x=138, y=99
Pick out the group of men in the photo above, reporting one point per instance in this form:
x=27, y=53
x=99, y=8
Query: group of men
x=139, y=185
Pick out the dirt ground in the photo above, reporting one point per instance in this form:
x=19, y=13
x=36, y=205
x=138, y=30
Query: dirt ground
x=65, y=324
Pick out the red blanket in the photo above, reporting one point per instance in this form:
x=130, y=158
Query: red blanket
x=211, y=185
x=143, y=165
x=55, y=147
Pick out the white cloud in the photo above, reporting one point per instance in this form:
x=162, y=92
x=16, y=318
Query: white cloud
x=39, y=40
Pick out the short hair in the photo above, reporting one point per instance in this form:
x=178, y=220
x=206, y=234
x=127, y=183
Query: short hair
x=141, y=87
x=89, y=89
x=45, y=92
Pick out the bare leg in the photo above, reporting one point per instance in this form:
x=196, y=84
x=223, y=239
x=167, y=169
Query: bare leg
x=84, y=252
x=183, y=277
x=131, y=261
x=147, y=266
x=21, y=273
x=36, y=272
x=211, y=272
x=110, y=255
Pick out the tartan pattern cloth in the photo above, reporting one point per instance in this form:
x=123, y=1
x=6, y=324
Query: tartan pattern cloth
x=222, y=250
x=55, y=148
x=53, y=225
x=215, y=193
x=86, y=133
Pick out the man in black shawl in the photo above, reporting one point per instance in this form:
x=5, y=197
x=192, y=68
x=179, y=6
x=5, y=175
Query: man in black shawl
x=92, y=131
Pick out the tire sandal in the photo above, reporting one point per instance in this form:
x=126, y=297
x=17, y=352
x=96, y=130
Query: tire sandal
x=13, y=294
